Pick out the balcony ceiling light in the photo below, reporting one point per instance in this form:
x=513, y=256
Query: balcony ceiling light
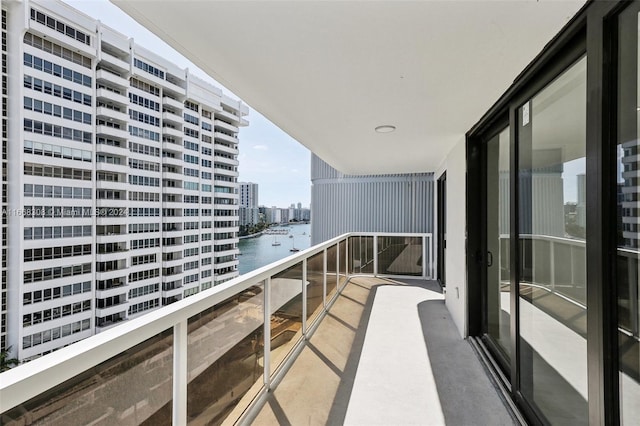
x=385, y=129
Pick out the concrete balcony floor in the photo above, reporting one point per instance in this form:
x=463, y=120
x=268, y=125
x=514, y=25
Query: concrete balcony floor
x=387, y=353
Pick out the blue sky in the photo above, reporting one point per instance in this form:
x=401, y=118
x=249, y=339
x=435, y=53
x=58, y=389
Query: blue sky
x=268, y=156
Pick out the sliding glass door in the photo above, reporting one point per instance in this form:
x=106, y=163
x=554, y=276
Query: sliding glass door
x=552, y=249
x=495, y=258
x=627, y=182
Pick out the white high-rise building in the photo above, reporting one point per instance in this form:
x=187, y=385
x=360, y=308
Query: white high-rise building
x=249, y=214
x=119, y=181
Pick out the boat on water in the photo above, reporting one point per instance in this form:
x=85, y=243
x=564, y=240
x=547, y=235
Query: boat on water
x=293, y=245
x=275, y=241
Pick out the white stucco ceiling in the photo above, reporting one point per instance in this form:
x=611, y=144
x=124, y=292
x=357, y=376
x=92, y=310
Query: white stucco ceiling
x=329, y=72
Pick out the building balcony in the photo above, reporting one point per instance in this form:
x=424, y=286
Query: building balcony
x=226, y=126
x=112, y=274
x=225, y=137
x=111, y=167
x=173, y=292
x=225, y=160
x=109, y=184
x=228, y=264
x=172, y=146
x=113, y=132
x=113, y=79
x=228, y=116
x=227, y=252
x=225, y=172
x=331, y=311
x=172, y=263
x=116, y=291
x=106, y=257
x=172, y=103
x=121, y=150
x=178, y=162
x=112, y=113
x=111, y=310
x=176, y=133
x=172, y=118
x=225, y=149
x=112, y=96
x=119, y=64
x=112, y=238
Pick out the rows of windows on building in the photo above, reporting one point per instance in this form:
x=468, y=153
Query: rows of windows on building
x=128, y=197
x=251, y=213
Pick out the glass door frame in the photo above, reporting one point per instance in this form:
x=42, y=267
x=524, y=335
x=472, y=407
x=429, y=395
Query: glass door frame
x=493, y=131
x=593, y=31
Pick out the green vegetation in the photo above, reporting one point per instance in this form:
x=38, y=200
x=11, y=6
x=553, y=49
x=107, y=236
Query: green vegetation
x=7, y=363
x=252, y=229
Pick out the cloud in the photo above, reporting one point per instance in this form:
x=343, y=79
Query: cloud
x=261, y=147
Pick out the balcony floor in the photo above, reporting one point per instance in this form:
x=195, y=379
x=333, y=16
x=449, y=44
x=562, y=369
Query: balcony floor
x=386, y=353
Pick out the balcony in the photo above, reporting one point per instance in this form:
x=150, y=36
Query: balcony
x=224, y=137
x=172, y=103
x=104, y=111
x=323, y=316
x=228, y=116
x=112, y=78
x=122, y=65
x=224, y=125
x=224, y=160
x=112, y=132
x=110, y=95
x=173, y=118
x=170, y=131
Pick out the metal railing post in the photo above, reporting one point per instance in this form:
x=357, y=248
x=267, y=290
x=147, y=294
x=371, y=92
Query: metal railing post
x=552, y=265
x=424, y=257
x=338, y=267
x=375, y=255
x=180, y=374
x=324, y=278
x=304, y=298
x=346, y=258
x=266, y=356
x=432, y=268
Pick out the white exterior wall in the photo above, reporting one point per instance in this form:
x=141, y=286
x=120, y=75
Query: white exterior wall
x=119, y=180
x=379, y=203
x=456, y=267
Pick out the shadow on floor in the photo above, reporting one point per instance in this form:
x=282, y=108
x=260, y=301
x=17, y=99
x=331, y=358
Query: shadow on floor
x=319, y=386
x=461, y=380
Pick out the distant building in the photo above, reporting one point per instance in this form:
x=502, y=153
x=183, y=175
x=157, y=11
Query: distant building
x=249, y=213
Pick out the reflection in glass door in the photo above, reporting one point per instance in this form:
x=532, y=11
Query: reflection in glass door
x=552, y=248
x=628, y=213
x=496, y=256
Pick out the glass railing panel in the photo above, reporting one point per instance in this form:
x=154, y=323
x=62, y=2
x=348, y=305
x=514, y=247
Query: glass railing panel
x=315, y=278
x=361, y=255
x=286, y=313
x=225, y=355
x=134, y=387
x=570, y=279
x=342, y=262
x=332, y=272
x=400, y=256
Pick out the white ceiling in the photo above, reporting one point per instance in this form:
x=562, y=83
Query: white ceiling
x=329, y=72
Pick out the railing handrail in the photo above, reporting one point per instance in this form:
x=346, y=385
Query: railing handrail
x=26, y=381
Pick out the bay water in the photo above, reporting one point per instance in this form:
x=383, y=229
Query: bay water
x=260, y=251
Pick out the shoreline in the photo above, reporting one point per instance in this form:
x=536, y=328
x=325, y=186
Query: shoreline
x=256, y=235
